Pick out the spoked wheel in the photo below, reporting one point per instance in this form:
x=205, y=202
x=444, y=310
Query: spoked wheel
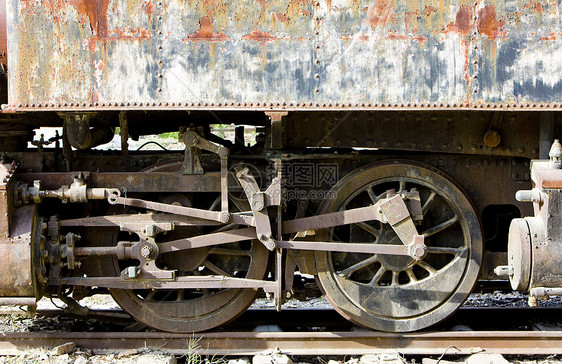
x=398, y=293
x=190, y=310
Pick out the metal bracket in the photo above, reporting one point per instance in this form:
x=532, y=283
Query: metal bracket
x=396, y=213
x=191, y=165
x=258, y=206
x=276, y=129
x=146, y=251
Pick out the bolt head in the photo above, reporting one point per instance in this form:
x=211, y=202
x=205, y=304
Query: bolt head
x=146, y=251
x=224, y=217
x=418, y=251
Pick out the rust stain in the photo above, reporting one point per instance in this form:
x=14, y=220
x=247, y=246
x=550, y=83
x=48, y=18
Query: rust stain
x=462, y=25
x=396, y=36
x=297, y=8
x=263, y=38
x=53, y=6
x=534, y=6
x=96, y=12
x=261, y=18
x=282, y=18
x=149, y=8
x=552, y=36
x=428, y=10
x=206, y=32
x=409, y=15
x=420, y=38
x=489, y=24
x=139, y=33
x=100, y=66
x=463, y=22
x=28, y=6
x=380, y=13
x=127, y=33
x=94, y=96
x=392, y=35
x=259, y=36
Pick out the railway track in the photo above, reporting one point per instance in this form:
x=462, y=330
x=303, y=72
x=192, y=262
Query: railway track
x=324, y=333
x=298, y=343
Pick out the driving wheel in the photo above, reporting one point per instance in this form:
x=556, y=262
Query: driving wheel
x=190, y=310
x=398, y=293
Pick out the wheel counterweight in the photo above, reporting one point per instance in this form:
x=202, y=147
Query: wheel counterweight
x=399, y=293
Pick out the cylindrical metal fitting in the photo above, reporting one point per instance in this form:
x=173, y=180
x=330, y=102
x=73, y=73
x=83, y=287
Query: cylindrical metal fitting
x=18, y=301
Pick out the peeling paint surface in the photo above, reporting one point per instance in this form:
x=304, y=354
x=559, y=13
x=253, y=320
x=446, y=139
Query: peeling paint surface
x=82, y=54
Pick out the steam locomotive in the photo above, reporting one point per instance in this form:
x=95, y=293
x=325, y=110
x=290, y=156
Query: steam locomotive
x=404, y=151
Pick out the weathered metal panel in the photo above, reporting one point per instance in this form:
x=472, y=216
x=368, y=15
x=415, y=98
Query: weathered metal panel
x=284, y=54
x=16, y=272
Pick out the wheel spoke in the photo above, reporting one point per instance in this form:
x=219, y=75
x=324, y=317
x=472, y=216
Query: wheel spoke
x=438, y=228
x=370, y=229
x=427, y=267
x=374, y=198
x=394, y=278
x=375, y=280
x=215, y=269
x=357, y=266
x=428, y=202
x=180, y=295
x=401, y=186
x=150, y=295
x=215, y=204
x=411, y=275
x=443, y=250
x=230, y=252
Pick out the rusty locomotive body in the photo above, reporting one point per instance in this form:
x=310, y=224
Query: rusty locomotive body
x=392, y=137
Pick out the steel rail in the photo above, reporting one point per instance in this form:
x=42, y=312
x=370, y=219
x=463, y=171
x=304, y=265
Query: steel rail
x=298, y=343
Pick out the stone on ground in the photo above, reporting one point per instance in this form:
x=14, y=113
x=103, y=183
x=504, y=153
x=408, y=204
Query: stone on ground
x=239, y=361
x=81, y=360
x=156, y=359
x=381, y=359
x=64, y=349
x=483, y=358
x=271, y=358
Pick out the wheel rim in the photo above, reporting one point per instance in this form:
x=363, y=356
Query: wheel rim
x=398, y=293
x=195, y=310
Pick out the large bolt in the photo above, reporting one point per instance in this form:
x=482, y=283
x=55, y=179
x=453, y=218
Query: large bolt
x=418, y=251
x=146, y=251
x=224, y=152
x=224, y=217
x=257, y=204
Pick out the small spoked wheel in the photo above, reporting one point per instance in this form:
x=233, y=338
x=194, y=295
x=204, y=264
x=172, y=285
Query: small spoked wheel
x=399, y=293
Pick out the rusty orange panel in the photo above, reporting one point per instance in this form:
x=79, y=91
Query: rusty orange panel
x=284, y=54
